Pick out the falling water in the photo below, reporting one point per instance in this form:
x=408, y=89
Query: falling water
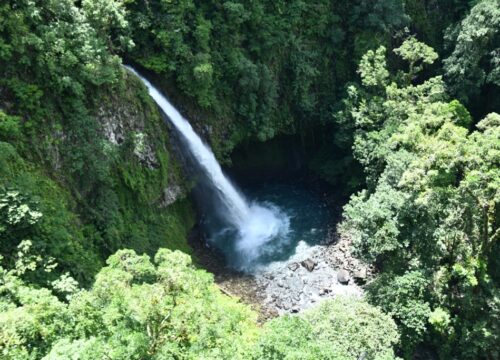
x=254, y=225
x=234, y=202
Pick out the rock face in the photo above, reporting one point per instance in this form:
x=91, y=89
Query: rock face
x=343, y=277
x=135, y=126
x=121, y=122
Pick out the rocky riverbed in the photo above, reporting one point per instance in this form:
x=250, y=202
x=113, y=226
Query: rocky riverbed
x=303, y=280
x=314, y=273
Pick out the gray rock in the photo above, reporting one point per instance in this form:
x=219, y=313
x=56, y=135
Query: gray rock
x=286, y=304
x=343, y=277
x=309, y=264
x=171, y=194
x=295, y=285
x=360, y=275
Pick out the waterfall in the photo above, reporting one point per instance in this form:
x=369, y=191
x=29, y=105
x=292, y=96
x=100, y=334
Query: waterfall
x=236, y=206
x=253, y=225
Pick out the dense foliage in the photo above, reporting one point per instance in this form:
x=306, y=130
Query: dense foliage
x=429, y=216
x=473, y=67
x=166, y=309
x=258, y=68
x=343, y=328
x=71, y=127
x=86, y=166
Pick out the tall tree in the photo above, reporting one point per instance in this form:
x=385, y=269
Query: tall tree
x=429, y=218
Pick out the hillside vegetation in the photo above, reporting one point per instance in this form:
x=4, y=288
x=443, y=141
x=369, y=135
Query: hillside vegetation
x=397, y=102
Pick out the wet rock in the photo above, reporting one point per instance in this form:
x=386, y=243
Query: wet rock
x=295, y=287
x=144, y=151
x=309, y=264
x=121, y=121
x=343, y=277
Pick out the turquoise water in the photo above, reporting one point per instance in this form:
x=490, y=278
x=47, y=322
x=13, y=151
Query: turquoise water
x=303, y=214
x=251, y=230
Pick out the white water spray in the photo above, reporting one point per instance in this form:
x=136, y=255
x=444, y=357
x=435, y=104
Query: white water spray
x=256, y=225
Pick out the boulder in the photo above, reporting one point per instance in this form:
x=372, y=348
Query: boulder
x=360, y=275
x=309, y=264
x=293, y=266
x=343, y=277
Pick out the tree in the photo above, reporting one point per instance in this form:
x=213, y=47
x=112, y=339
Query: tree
x=108, y=17
x=475, y=59
x=344, y=328
x=136, y=309
x=429, y=217
x=164, y=309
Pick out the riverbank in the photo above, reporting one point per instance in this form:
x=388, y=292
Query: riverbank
x=313, y=274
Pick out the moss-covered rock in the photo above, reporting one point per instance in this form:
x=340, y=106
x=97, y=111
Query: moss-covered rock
x=102, y=192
